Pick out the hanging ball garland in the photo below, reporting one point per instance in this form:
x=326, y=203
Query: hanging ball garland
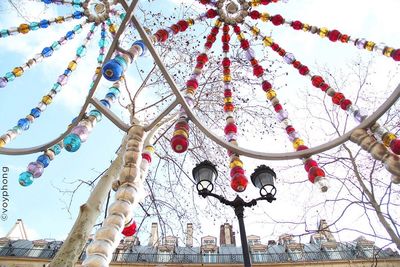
x=332, y=35
x=46, y=52
x=238, y=180
x=24, y=123
x=338, y=98
x=180, y=140
x=315, y=174
x=79, y=133
x=36, y=169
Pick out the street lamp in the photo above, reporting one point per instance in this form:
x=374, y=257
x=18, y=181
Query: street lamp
x=263, y=178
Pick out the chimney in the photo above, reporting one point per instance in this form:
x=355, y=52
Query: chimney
x=227, y=237
x=323, y=228
x=153, y=241
x=189, y=235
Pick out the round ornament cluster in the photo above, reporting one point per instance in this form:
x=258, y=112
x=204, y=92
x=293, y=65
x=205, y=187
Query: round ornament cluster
x=232, y=12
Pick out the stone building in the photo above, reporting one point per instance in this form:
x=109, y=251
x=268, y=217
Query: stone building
x=322, y=250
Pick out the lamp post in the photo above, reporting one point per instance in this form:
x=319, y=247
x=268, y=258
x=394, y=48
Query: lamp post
x=263, y=178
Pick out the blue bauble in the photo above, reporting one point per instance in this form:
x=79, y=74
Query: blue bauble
x=112, y=70
x=36, y=112
x=47, y=52
x=105, y=103
x=44, y=23
x=44, y=160
x=143, y=46
x=72, y=143
x=25, y=179
x=77, y=15
x=24, y=124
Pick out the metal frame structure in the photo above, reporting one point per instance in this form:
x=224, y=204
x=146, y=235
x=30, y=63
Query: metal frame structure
x=90, y=99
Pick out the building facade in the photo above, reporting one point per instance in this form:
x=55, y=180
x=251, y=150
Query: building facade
x=322, y=250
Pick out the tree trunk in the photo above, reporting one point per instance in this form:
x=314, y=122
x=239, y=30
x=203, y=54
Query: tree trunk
x=73, y=246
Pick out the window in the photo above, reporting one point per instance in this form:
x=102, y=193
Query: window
x=296, y=255
x=257, y=256
x=209, y=242
x=209, y=257
x=164, y=256
x=333, y=254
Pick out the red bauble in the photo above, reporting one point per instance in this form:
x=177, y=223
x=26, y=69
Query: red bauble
x=211, y=13
x=214, y=30
x=290, y=129
x=345, y=104
x=192, y=83
x=297, y=25
x=266, y=86
x=226, y=63
x=237, y=170
x=277, y=20
x=129, y=230
x=396, y=55
x=225, y=29
x=304, y=70
x=146, y=157
x=338, y=98
x=334, y=35
x=211, y=38
x=229, y=107
x=182, y=126
x=324, y=87
x=309, y=164
x=315, y=172
x=275, y=47
x=317, y=81
x=278, y=107
x=395, y=146
x=226, y=38
x=239, y=182
x=258, y=70
x=202, y=58
x=228, y=93
x=236, y=29
x=265, y=2
x=179, y=143
x=296, y=64
x=225, y=47
x=162, y=35
x=254, y=14
x=244, y=44
x=230, y=128
x=204, y=2
x=183, y=24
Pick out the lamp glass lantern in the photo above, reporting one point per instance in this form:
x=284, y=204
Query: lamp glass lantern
x=204, y=174
x=263, y=178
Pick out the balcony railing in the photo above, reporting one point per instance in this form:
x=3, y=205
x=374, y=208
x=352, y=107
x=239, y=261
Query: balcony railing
x=132, y=257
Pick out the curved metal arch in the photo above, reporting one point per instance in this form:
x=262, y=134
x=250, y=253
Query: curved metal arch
x=88, y=101
x=251, y=153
